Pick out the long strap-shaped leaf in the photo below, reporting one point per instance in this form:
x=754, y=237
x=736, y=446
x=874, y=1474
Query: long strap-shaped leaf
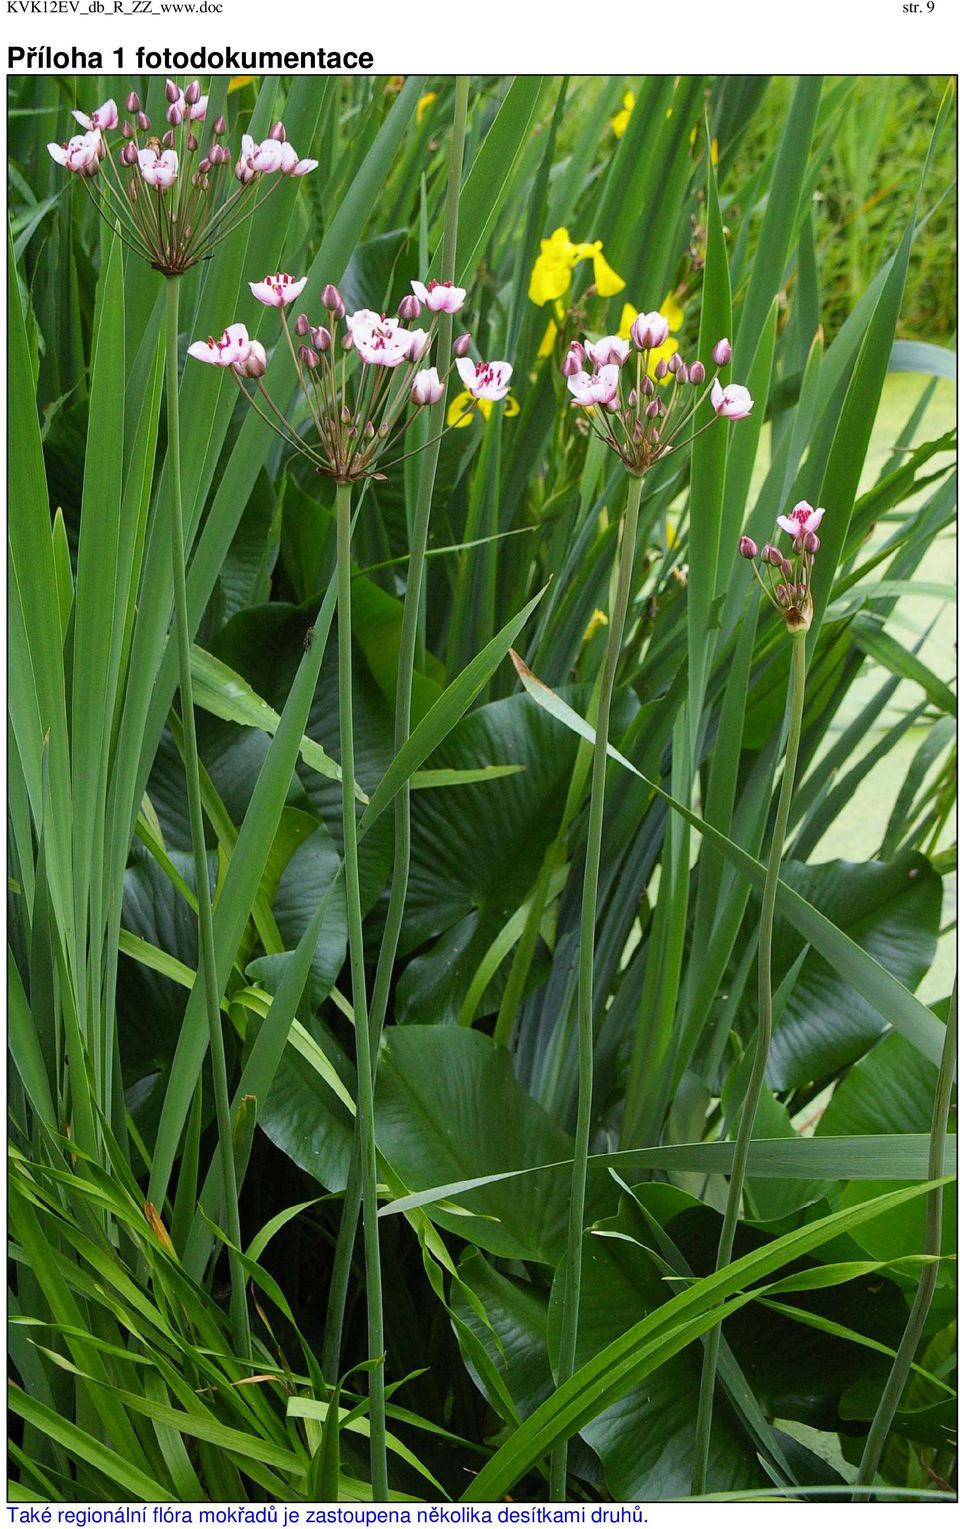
x=840, y=1158
x=661, y=1334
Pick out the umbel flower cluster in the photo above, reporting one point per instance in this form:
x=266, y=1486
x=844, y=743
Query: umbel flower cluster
x=170, y=189
x=643, y=408
x=787, y=582
x=360, y=374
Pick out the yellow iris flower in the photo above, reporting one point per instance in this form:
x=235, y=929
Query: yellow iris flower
x=673, y=314
x=238, y=82
x=461, y=410
x=620, y=122
x=553, y=268
x=424, y=104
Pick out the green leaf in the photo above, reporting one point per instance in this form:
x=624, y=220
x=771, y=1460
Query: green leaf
x=220, y=690
x=444, y=714
x=871, y=980
x=870, y=636
x=649, y=1343
x=448, y=1102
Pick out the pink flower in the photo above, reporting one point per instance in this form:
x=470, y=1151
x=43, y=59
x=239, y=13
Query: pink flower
x=731, y=402
x=80, y=155
x=268, y=157
x=264, y=158
x=440, y=296
x=277, y=291
x=649, y=330
x=803, y=517
x=426, y=387
x=291, y=165
x=608, y=351
x=254, y=364
x=599, y=388
x=486, y=379
x=234, y=348
x=418, y=343
x=158, y=169
x=104, y=118
x=379, y=341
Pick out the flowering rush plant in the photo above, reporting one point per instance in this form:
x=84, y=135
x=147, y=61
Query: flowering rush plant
x=169, y=189
x=627, y=403
x=362, y=374
x=787, y=582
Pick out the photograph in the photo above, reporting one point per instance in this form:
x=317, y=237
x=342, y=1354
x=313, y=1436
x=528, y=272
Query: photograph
x=481, y=773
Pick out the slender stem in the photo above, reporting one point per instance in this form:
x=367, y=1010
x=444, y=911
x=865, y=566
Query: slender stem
x=573, y=1265
x=913, y=1332
x=191, y=763
x=751, y=1101
x=365, y=1120
x=405, y=665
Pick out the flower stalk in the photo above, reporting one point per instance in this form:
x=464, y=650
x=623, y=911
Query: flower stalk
x=751, y=1101
x=365, y=1116
x=191, y=763
x=409, y=628
x=573, y=1265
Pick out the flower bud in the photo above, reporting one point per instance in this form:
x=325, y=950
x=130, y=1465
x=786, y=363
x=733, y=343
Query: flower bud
x=675, y=363
x=570, y=366
x=660, y=370
x=682, y=374
x=783, y=594
x=722, y=352
x=321, y=337
x=192, y=93
x=128, y=154
x=220, y=127
x=697, y=373
x=278, y=133
x=302, y=325
x=649, y=330
x=127, y=130
x=653, y=437
x=461, y=346
x=256, y=362
x=172, y=90
x=192, y=144
x=652, y=410
x=748, y=547
x=174, y=115
x=143, y=122
x=811, y=541
x=770, y=554
x=133, y=102
x=333, y=301
x=409, y=308
x=308, y=356
x=786, y=566
x=368, y=431
x=646, y=387
x=798, y=542
x=427, y=387
x=168, y=140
